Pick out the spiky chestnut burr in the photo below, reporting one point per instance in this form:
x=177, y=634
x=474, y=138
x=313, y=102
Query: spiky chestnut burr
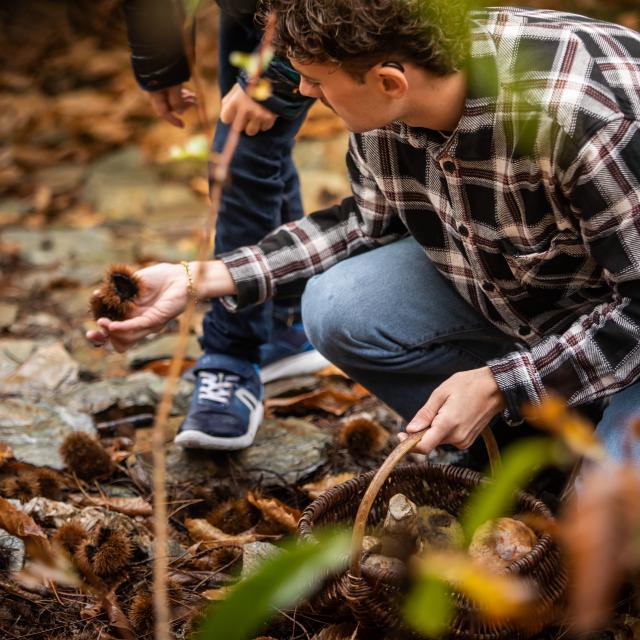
x=114, y=299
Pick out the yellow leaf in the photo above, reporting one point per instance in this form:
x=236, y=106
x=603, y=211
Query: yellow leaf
x=577, y=433
x=261, y=90
x=499, y=596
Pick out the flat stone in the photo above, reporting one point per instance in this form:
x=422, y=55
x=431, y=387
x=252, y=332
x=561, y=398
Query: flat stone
x=191, y=466
x=121, y=185
x=13, y=353
x=8, y=314
x=11, y=548
x=48, y=369
x=161, y=348
x=291, y=386
x=17, y=206
x=35, y=431
x=69, y=247
x=61, y=178
x=140, y=390
x=125, y=189
x=284, y=451
x=40, y=324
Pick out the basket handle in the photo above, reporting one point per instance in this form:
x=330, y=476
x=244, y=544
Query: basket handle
x=380, y=478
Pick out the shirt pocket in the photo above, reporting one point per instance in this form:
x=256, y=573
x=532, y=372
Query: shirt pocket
x=562, y=262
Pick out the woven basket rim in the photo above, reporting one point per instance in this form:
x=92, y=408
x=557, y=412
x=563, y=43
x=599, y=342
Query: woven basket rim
x=468, y=477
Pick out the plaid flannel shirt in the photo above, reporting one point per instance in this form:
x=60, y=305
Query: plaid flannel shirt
x=531, y=207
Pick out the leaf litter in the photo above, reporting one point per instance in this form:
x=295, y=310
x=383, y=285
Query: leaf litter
x=67, y=98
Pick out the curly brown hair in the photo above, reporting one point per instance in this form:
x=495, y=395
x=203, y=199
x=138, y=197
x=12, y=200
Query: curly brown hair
x=358, y=34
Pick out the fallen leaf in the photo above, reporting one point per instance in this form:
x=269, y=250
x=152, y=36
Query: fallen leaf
x=331, y=400
x=331, y=370
x=19, y=524
x=116, y=616
x=129, y=506
x=316, y=489
x=275, y=511
x=211, y=537
x=216, y=594
x=161, y=367
x=6, y=453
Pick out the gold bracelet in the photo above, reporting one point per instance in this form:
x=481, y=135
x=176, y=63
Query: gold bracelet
x=191, y=290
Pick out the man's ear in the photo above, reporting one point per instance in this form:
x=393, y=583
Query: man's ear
x=391, y=80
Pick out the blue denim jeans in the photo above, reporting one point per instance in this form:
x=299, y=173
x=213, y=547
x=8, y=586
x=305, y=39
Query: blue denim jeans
x=263, y=192
x=391, y=321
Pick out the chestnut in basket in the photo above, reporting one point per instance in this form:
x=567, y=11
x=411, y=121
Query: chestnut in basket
x=497, y=543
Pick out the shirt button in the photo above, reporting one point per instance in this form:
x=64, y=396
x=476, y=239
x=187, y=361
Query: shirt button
x=463, y=231
x=488, y=286
x=524, y=330
x=449, y=166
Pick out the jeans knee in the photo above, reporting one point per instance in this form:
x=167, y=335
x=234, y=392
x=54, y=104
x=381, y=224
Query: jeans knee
x=326, y=321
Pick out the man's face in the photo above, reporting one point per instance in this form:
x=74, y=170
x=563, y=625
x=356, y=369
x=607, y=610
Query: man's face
x=362, y=105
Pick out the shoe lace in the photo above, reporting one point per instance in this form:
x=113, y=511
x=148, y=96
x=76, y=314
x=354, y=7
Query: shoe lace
x=217, y=387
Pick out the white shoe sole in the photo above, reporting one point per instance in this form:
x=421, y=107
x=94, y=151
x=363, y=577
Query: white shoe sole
x=299, y=364
x=192, y=439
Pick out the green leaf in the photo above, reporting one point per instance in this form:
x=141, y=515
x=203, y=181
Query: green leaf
x=429, y=607
x=195, y=148
x=280, y=582
x=494, y=498
x=191, y=6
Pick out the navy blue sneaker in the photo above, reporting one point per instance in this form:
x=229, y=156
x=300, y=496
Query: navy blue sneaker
x=289, y=354
x=226, y=407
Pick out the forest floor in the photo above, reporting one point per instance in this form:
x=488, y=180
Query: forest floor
x=88, y=177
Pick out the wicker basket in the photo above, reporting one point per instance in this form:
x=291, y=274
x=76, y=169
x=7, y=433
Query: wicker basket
x=373, y=597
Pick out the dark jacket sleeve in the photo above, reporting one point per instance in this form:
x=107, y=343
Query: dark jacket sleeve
x=156, y=42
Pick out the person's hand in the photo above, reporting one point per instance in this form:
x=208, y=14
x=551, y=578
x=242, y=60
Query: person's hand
x=164, y=296
x=458, y=410
x=168, y=102
x=244, y=114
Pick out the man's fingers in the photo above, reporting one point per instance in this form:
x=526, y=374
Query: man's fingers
x=162, y=108
x=430, y=440
x=174, y=98
x=428, y=412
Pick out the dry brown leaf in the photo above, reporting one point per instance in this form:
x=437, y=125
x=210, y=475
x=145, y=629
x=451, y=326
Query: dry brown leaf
x=598, y=532
x=211, y=537
x=129, y=506
x=6, y=453
x=331, y=400
x=275, y=511
x=19, y=524
x=116, y=616
x=316, y=489
x=331, y=370
x=216, y=594
x=161, y=367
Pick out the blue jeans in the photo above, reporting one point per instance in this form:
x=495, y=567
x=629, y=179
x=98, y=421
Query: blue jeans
x=263, y=193
x=392, y=322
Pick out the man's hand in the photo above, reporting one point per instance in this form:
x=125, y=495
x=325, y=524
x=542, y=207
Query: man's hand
x=244, y=114
x=164, y=295
x=168, y=102
x=458, y=410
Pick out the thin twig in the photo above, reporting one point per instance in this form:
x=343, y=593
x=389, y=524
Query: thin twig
x=219, y=173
